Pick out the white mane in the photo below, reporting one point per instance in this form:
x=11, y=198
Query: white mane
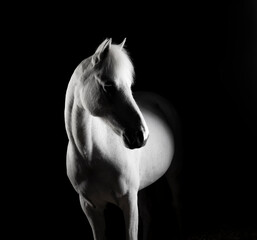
x=119, y=63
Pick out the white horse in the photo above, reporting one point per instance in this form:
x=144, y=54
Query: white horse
x=119, y=143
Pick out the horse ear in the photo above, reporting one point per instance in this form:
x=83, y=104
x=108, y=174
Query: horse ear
x=105, y=49
x=122, y=44
x=101, y=51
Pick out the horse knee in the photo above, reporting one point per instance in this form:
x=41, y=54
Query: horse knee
x=95, y=216
x=85, y=203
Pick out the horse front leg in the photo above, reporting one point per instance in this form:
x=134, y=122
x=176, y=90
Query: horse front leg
x=129, y=206
x=95, y=217
x=144, y=208
x=175, y=187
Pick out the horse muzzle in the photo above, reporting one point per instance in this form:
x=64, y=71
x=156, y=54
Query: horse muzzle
x=135, y=139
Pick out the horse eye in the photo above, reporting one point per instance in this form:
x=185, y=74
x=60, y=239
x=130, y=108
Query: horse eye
x=109, y=87
x=108, y=84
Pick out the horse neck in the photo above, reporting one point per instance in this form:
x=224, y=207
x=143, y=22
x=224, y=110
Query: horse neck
x=78, y=120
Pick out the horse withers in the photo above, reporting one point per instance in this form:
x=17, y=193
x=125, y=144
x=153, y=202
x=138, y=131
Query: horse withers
x=119, y=142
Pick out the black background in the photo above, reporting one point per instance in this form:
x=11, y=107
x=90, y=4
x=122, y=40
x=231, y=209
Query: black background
x=201, y=56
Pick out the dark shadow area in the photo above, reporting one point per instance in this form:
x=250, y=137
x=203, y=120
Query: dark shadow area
x=201, y=56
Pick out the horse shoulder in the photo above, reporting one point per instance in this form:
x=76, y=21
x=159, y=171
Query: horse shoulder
x=111, y=152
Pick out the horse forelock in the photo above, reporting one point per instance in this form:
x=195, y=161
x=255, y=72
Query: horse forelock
x=119, y=64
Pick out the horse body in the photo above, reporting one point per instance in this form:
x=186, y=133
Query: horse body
x=109, y=164
x=156, y=156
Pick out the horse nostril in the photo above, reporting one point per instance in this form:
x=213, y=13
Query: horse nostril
x=140, y=137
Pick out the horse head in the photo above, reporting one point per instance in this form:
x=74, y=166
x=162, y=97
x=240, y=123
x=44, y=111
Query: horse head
x=106, y=93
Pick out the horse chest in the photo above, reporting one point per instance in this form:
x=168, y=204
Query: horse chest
x=104, y=179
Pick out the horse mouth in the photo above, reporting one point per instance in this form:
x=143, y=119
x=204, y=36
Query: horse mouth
x=135, y=139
